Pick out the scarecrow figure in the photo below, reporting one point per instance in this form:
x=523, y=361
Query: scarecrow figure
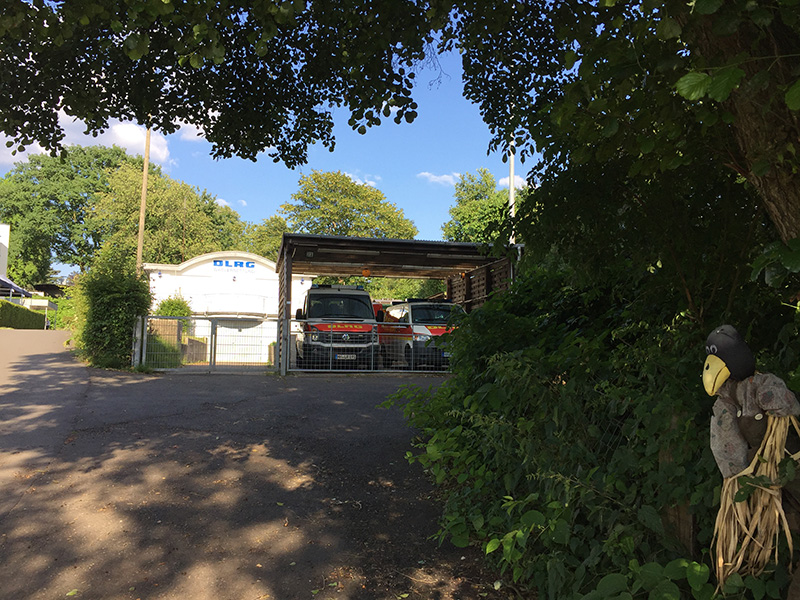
x=749, y=430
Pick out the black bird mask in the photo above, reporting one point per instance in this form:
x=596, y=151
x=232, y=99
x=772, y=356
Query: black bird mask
x=728, y=357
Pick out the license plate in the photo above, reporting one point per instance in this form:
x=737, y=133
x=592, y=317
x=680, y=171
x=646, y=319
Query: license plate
x=344, y=356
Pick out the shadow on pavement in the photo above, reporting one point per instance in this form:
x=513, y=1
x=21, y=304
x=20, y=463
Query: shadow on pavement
x=243, y=487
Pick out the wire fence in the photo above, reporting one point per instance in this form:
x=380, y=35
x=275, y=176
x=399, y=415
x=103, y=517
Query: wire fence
x=206, y=343
x=219, y=344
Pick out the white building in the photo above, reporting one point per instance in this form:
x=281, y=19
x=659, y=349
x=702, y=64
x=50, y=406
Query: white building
x=231, y=284
x=233, y=288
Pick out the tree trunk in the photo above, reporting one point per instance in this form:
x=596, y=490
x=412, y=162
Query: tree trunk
x=767, y=132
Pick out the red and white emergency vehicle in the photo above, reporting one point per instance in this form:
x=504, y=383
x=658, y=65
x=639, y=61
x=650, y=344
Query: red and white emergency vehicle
x=337, y=329
x=411, y=333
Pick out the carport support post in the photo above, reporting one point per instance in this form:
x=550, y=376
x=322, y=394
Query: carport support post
x=285, y=351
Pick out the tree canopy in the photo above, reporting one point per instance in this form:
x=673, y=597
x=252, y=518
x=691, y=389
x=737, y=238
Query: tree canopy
x=666, y=83
x=334, y=204
x=265, y=238
x=479, y=211
x=48, y=201
x=663, y=81
x=253, y=77
x=180, y=222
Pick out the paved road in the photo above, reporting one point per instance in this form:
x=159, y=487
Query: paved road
x=241, y=487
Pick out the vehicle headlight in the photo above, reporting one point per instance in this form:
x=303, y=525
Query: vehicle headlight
x=421, y=337
x=314, y=337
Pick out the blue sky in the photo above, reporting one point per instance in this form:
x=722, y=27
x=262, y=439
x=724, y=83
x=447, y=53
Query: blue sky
x=414, y=165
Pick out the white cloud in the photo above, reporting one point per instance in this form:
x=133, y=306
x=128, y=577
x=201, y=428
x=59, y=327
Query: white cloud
x=190, y=133
x=7, y=158
x=370, y=180
x=127, y=135
x=222, y=202
x=242, y=203
x=519, y=182
x=450, y=179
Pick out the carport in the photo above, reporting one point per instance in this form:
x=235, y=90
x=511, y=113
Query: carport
x=369, y=257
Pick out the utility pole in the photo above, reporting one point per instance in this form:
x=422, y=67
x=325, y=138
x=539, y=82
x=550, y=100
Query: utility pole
x=511, y=186
x=143, y=205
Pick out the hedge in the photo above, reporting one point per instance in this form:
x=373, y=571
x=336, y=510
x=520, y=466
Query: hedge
x=18, y=317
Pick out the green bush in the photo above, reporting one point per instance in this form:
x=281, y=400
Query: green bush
x=161, y=354
x=18, y=317
x=574, y=421
x=174, y=306
x=65, y=315
x=108, y=300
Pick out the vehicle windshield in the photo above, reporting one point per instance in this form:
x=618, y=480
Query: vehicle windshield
x=340, y=306
x=434, y=314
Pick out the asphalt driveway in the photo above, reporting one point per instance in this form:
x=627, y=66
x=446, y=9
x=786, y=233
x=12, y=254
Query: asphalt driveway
x=242, y=487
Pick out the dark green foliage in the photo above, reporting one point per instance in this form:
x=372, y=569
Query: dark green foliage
x=574, y=420
x=18, y=317
x=110, y=297
x=174, y=306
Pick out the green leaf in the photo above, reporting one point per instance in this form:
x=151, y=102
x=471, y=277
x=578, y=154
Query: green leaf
x=757, y=587
x=460, y=541
x=561, y=532
x=611, y=127
x=668, y=28
x=697, y=575
x=649, y=517
x=760, y=167
x=676, y=569
x=647, y=145
x=761, y=17
x=493, y=545
x=693, y=86
x=531, y=518
x=72, y=593
x=792, y=96
x=707, y=7
x=790, y=258
x=706, y=592
x=613, y=583
x=570, y=58
x=651, y=574
x=733, y=584
x=724, y=82
x=666, y=590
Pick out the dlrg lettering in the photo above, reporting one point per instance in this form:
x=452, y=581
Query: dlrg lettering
x=240, y=264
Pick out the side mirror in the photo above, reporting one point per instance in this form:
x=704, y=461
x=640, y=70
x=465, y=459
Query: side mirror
x=299, y=314
x=379, y=316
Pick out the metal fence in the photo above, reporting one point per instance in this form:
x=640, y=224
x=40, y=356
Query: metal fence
x=205, y=343
x=219, y=344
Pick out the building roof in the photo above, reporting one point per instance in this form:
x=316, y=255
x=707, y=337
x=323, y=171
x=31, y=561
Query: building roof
x=203, y=258
x=340, y=255
x=9, y=288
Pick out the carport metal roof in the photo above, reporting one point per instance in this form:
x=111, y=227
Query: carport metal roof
x=338, y=255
